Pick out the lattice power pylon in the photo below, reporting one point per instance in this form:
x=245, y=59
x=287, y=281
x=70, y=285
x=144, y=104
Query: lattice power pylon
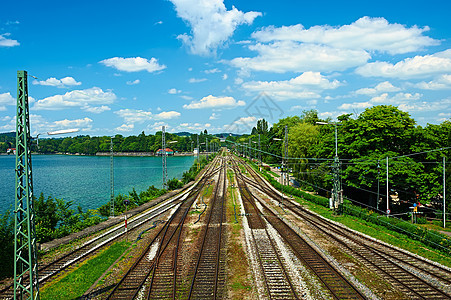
x=163, y=155
x=111, y=179
x=25, y=254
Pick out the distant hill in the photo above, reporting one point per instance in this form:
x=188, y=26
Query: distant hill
x=8, y=134
x=183, y=133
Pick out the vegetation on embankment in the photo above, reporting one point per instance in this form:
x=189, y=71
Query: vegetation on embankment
x=417, y=239
x=55, y=218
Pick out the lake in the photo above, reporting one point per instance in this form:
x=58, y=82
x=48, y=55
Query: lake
x=85, y=180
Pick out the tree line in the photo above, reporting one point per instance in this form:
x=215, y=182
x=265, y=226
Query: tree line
x=364, y=143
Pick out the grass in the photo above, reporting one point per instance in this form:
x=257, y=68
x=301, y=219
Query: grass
x=73, y=284
x=239, y=277
x=381, y=233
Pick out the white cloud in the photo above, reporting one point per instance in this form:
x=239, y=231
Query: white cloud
x=134, y=115
x=211, y=23
x=379, y=88
x=125, y=127
x=174, y=91
x=286, y=56
x=426, y=106
x=77, y=98
x=196, y=80
x=83, y=123
x=166, y=115
x=303, y=86
x=355, y=105
x=157, y=126
x=140, y=116
x=6, y=42
x=443, y=82
x=214, y=116
x=238, y=81
x=6, y=99
x=396, y=99
x=193, y=127
x=214, y=102
x=137, y=81
x=212, y=71
x=241, y=125
x=96, y=109
x=186, y=97
x=133, y=64
x=372, y=34
x=61, y=83
x=415, y=67
x=225, y=76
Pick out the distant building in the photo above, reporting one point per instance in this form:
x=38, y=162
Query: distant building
x=160, y=152
x=11, y=151
x=196, y=151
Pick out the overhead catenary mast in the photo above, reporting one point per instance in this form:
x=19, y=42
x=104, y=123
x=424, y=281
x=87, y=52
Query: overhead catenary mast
x=163, y=155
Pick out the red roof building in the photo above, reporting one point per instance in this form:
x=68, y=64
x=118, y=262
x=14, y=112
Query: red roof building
x=168, y=152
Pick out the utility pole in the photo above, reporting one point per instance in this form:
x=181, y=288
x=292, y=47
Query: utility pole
x=259, y=152
x=444, y=192
x=388, y=209
x=378, y=184
x=206, y=146
x=250, y=150
x=25, y=254
x=111, y=179
x=198, y=150
x=163, y=155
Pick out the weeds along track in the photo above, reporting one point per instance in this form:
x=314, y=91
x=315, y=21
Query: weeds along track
x=415, y=276
x=277, y=282
x=338, y=286
x=208, y=280
x=154, y=273
x=47, y=271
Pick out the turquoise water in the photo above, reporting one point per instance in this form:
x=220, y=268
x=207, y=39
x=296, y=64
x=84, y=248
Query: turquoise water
x=85, y=180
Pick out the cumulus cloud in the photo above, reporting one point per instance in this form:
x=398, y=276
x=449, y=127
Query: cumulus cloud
x=166, y=115
x=137, y=81
x=133, y=64
x=214, y=102
x=286, y=56
x=379, y=88
x=125, y=127
x=7, y=42
x=61, y=83
x=193, y=127
x=241, y=125
x=306, y=85
x=442, y=82
x=426, y=106
x=355, y=105
x=77, y=98
x=140, y=116
x=396, y=99
x=373, y=34
x=85, y=122
x=211, y=23
x=225, y=76
x=412, y=67
x=6, y=99
x=96, y=109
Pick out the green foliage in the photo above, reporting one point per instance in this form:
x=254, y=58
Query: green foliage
x=73, y=284
x=174, y=184
x=6, y=245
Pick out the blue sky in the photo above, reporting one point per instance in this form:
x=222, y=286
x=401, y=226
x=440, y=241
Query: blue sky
x=111, y=67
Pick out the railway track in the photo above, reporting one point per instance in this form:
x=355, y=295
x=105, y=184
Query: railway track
x=91, y=247
x=339, y=286
x=277, y=282
x=154, y=273
x=416, y=277
x=208, y=281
